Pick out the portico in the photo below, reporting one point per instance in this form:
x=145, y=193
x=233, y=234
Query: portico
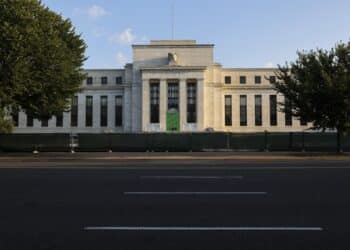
x=180, y=97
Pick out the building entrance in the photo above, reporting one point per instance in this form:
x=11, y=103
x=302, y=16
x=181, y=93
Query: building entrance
x=172, y=115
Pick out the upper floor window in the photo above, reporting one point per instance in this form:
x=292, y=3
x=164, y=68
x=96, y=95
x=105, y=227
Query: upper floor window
x=257, y=79
x=272, y=79
x=89, y=80
x=119, y=80
x=242, y=79
x=227, y=79
x=104, y=80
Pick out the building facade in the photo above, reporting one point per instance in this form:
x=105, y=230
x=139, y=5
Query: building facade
x=171, y=86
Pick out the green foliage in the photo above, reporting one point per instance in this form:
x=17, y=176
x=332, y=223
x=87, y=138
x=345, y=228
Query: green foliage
x=6, y=125
x=318, y=85
x=41, y=58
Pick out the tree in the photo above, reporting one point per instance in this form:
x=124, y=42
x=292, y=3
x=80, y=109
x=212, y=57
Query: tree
x=318, y=86
x=41, y=59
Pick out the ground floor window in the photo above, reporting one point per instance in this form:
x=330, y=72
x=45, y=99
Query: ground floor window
x=74, y=112
x=258, y=110
x=273, y=110
x=59, y=120
x=45, y=122
x=228, y=110
x=288, y=112
x=89, y=111
x=104, y=111
x=30, y=120
x=119, y=111
x=243, y=110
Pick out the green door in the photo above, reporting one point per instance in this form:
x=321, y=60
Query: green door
x=173, y=121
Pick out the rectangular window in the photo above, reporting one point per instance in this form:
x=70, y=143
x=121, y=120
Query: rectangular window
x=257, y=79
x=154, y=96
x=288, y=112
x=45, y=122
x=89, y=80
x=173, y=95
x=243, y=110
x=104, y=80
x=242, y=79
x=15, y=117
x=104, y=111
x=30, y=120
x=227, y=79
x=74, y=112
x=272, y=79
x=258, y=110
x=89, y=111
x=228, y=110
x=273, y=110
x=59, y=120
x=119, y=80
x=191, y=102
x=119, y=111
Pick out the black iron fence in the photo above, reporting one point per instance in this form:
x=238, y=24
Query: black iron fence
x=183, y=142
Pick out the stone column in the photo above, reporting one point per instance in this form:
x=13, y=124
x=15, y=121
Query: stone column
x=200, y=105
x=163, y=102
x=145, y=105
x=81, y=110
x=266, y=111
x=250, y=110
x=280, y=115
x=96, y=111
x=111, y=111
x=183, y=104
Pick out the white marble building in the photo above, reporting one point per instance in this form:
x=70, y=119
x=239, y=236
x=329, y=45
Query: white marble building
x=171, y=86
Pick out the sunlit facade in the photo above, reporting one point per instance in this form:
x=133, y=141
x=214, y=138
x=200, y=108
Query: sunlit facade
x=171, y=86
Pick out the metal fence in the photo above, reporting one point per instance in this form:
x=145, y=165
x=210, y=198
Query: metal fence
x=183, y=142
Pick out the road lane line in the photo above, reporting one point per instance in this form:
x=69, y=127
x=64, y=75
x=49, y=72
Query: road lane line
x=191, y=177
x=194, y=193
x=117, y=228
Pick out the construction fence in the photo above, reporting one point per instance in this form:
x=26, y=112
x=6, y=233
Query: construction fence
x=177, y=142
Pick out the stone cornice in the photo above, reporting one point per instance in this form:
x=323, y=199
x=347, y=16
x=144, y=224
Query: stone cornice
x=245, y=87
x=175, y=68
x=142, y=46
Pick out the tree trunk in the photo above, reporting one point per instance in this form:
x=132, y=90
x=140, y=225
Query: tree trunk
x=339, y=144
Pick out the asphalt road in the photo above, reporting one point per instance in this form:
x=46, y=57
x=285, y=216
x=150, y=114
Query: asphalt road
x=176, y=205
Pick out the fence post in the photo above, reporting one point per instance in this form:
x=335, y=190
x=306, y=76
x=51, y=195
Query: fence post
x=228, y=141
x=191, y=146
x=266, y=141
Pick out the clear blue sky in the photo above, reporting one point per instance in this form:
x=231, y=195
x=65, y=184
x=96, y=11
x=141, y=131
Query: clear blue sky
x=253, y=33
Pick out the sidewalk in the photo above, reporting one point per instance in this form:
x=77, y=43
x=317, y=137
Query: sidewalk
x=219, y=156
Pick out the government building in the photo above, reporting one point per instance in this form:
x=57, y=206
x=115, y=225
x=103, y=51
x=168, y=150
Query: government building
x=171, y=86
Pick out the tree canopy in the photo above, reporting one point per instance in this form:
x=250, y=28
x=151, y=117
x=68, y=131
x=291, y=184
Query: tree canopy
x=41, y=59
x=317, y=85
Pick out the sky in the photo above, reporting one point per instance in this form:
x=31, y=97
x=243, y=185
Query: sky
x=246, y=33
